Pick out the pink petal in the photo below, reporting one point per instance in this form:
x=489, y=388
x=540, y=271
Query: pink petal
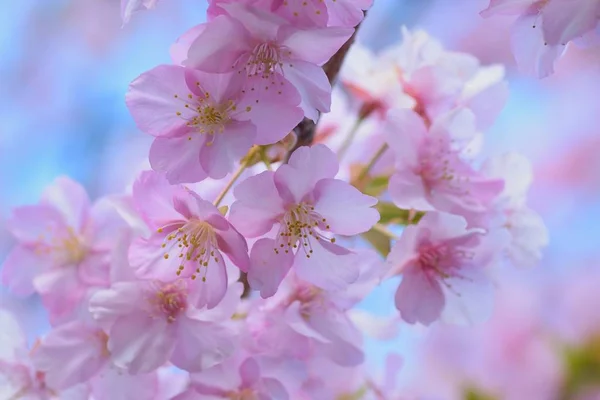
x=122, y=299
x=273, y=389
x=71, y=199
x=408, y=191
x=223, y=311
x=329, y=266
x=221, y=150
x=306, y=167
x=565, y=20
x=32, y=224
x=211, y=284
x=419, y=298
x=140, y=343
x=153, y=104
x=301, y=43
x=471, y=299
x=20, y=268
x=347, y=210
x=404, y=131
x=234, y=245
x=153, y=198
x=147, y=258
x=347, y=13
x=533, y=57
x=249, y=372
x=220, y=87
x=94, y=270
x=178, y=158
x=213, y=51
x=507, y=7
x=277, y=111
x=105, y=219
x=257, y=205
x=71, y=353
x=262, y=25
x=267, y=269
x=345, y=341
x=114, y=384
x=312, y=84
x=61, y=292
x=201, y=345
x=404, y=251
x=179, y=49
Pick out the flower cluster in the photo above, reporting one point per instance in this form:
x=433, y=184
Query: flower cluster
x=168, y=294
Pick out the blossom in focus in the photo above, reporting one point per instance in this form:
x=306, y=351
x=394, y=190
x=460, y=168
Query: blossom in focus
x=271, y=50
x=443, y=267
x=204, y=123
x=306, y=205
x=63, y=248
x=128, y=7
x=544, y=27
x=430, y=170
x=188, y=239
x=150, y=322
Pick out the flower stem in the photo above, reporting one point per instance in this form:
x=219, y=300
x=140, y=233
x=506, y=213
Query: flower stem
x=349, y=138
x=372, y=162
x=243, y=165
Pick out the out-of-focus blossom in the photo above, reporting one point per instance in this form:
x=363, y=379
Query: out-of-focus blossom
x=150, y=322
x=306, y=205
x=431, y=173
x=544, y=27
x=64, y=247
x=443, y=266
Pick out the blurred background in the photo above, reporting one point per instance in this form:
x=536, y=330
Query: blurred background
x=65, y=66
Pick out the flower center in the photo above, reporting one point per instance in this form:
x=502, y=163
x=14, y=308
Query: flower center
x=442, y=170
x=169, y=301
x=298, y=227
x=67, y=248
x=243, y=394
x=265, y=60
x=197, y=242
x=205, y=115
x=444, y=262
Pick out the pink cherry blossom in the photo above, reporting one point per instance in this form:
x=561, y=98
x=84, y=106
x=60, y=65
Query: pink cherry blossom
x=72, y=353
x=128, y=7
x=431, y=172
x=306, y=205
x=443, y=270
x=188, y=237
x=238, y=378
x=544, y=27
x=63, y=247
x=271, y=50
x=204, y=122
x=151, y=322
x=313, y=13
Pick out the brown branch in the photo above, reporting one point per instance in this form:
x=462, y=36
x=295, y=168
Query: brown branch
x=305, y=130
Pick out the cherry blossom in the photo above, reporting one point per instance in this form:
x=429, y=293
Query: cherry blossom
x=188, y=237
x=204, y=123
x=271, y=50
x=64, y=246
x=443, y=265
x=150, y=322
x=306, y=205
x=431, y=173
